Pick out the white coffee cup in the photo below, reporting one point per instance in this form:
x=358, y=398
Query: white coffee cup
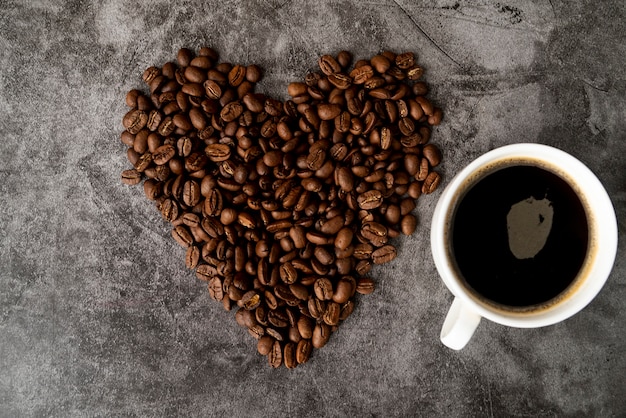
x=467, y=309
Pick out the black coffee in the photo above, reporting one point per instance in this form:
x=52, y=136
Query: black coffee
x=520, y=236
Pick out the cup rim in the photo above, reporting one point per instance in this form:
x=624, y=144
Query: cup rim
x=605, y=225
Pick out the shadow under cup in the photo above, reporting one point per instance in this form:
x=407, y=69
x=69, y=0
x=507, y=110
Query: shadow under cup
x=520, y=236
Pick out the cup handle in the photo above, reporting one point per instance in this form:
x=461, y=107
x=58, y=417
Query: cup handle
x=459, y=326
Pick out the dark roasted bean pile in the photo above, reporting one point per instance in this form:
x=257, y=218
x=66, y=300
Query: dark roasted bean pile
x=284, y=207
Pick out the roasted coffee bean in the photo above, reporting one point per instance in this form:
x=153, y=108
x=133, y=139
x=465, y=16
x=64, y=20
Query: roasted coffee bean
x=278, y=318
x=265, y=344
x=288, y=273
x=275, y=356
x=415, y=72
x=321, y=335
x=431, y=182
x=361, y=74
x=218, y=152
x=215, y=288
x=344, y=179
x=206, y=272
x=375, y=233
x=435, y=118
x=332, y=225
x=163, y=154
x=329, y=65
x=346, y=310
x=316, y=307
x=408, y=224
x=316, y=158
x=380, y=63
x=191, y=193
x=192, y=257
x=305, y=327
x=327, y=111
x=135, y=120
x=257, y=331
x=303, y=350
x=432, y=154
x=289, y=355
x=245, y=318
x=363, y=251
x=251, y=300
x=339, y=80
x=277, y=335
x=344, y=238
x=231, y=111
x=405, y=61
x=365, y=285
x=152, y=188
x=182, y=235
x=323, y=289
x=297, y=234
x=384, y=254
x=131, y=177
x=370, y=199
x=344, y=290
x=331, y=315
x=323, y=255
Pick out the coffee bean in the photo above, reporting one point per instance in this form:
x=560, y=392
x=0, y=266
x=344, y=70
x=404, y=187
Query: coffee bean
x=303, y=350
x=152, y=188
x=327, y=111
x=134, y=121
x=361, y=74
x=375, y=233
x=218, y=152
x=265, y=344
x=324, y=256
x=405, y=61
x=298, y=236
x=344, y=290
x=384, y=254
x=365, y=285
x=408, y=224
x=192, y=257
x=329, y=65
x=289, y=355
x=415, y=72
x=363, y=251
x=344, y=238
x=288, y=273
x=432, y=154
x=215, y=287
x=431, y=182
x=321, y=335
x=370, y=199
x=131, y=177
x=323, y=289
x=344, y=179
x=339, y=80
x=275, y=356
x=380, y=63
x=257, y=331
x=250, y=300
x=182, y=235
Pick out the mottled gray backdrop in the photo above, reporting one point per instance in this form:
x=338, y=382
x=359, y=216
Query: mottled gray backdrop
x=98, y=315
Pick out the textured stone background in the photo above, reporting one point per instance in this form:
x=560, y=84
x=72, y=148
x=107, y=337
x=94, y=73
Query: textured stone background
x=98, y=315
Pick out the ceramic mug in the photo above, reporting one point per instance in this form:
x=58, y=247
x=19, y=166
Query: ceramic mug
x=468, y=306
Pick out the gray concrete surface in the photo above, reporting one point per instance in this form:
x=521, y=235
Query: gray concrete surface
x=98, y=315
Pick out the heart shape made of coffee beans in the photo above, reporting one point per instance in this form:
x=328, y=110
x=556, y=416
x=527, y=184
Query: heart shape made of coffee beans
x=284, y=207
